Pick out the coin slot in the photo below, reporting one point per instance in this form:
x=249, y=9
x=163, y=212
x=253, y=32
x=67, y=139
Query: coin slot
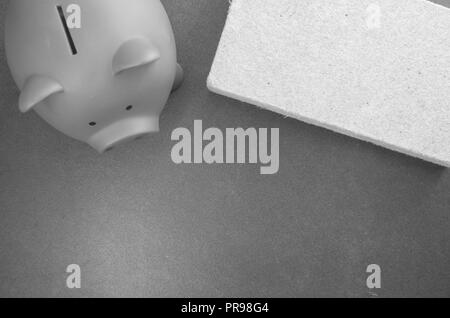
x=73, y=48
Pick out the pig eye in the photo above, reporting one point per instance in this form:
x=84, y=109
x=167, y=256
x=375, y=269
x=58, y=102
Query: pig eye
x=92, y=123
x=129, y=107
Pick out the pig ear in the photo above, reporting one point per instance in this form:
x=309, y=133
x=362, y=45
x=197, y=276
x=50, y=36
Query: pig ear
x=134, y=53
x=36, y=89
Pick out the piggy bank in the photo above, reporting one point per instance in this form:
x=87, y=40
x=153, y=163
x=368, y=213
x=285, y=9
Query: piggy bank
x=100, y=71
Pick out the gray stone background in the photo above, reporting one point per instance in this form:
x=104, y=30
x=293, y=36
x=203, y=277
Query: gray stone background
x=139, y=225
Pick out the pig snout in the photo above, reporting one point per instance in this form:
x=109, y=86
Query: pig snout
x=123, y=131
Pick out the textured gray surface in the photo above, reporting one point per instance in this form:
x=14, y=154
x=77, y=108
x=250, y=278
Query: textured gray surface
x=141, y=226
